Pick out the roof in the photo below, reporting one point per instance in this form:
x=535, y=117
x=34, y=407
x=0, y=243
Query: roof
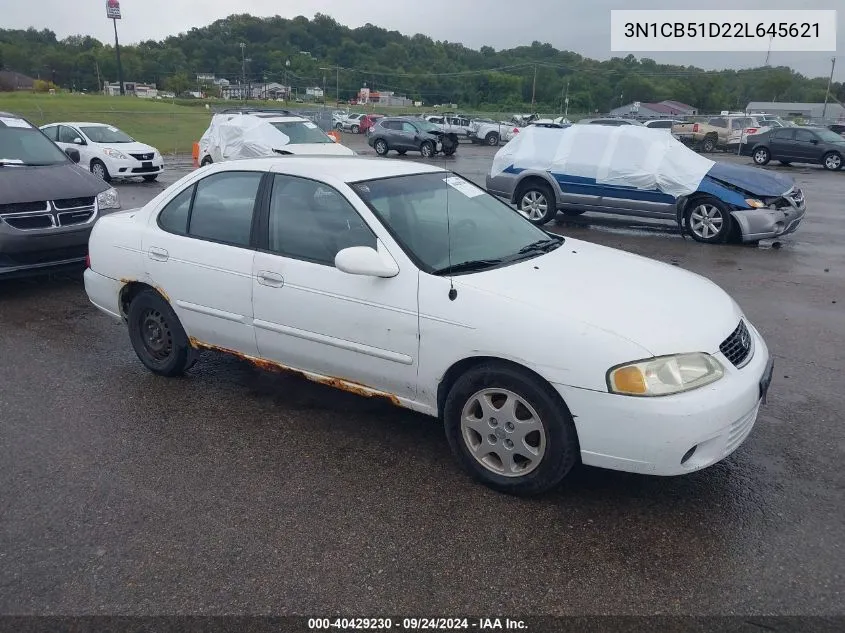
x=788, y=105
x=18, y=80
x=78, y=124
x=333, y=168
x=677, y=105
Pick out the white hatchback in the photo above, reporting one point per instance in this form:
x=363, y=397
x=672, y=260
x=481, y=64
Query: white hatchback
x=107, y=151
x=404, y=281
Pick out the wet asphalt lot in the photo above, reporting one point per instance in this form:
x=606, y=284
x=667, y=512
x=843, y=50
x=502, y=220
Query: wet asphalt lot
x=237, y=491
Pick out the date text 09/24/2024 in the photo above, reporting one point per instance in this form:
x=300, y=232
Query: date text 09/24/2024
x=416, y=624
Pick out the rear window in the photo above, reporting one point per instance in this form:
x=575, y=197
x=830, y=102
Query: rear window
x=302, y=132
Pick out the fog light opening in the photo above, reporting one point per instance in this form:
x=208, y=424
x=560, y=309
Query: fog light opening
x=688, y=454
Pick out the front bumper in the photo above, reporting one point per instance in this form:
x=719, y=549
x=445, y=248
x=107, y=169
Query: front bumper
x=652, y=435
x=41, y=251
x=132, y=168
x=761, y=224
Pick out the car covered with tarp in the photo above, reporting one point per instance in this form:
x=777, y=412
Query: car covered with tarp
x=637, y=171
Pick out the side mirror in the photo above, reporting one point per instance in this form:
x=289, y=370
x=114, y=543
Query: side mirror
x=364, y=260
x=78, y=141
x=73, y=154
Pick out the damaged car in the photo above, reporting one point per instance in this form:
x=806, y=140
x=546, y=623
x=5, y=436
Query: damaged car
x=635, y=171
x=405, y=134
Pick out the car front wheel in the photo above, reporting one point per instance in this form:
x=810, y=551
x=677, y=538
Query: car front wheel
x=708, y=220
x=509, y=431
x=492, y=139
x=157, y=335
x=762, y=156
x=537, y=203
x=427, y=149
x=832, y=161
x=355, y=129
x=98, y=168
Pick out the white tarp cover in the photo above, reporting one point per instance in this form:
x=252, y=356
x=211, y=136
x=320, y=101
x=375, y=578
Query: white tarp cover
x=237, y=136
x=627, y=155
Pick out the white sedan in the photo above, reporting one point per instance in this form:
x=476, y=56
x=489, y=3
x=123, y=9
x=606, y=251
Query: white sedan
x=404, y=281
x=107, y=151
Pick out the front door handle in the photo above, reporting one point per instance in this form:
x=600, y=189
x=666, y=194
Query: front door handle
x=274, y=280
x=159, y=254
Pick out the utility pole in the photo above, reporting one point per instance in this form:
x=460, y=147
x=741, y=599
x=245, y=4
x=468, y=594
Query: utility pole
x=119, y=67
x=829, y=82
x=534, y=89
x=99, y=83
x=243, y=71
x=566, y=99
x=337, y=88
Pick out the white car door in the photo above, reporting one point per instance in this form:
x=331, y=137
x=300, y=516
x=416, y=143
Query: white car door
x=311, y=316
x=199, y=253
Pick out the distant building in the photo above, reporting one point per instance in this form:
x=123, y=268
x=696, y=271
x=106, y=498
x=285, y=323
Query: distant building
x=271, y=90
x=662, y=110
x=811, y=112
x=236, y=91
x=314, y=93
x=365, y=95
x=10, y=80
x=131, y=88
x=210, y=79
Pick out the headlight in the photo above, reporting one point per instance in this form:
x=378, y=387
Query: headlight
x=754, y=203
x=114, y=153
x=108, y=199
x=664, y=375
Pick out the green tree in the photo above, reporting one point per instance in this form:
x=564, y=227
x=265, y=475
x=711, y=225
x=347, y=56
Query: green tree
x=179, y=83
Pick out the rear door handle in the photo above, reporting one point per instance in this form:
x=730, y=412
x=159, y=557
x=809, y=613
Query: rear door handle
x=274, y=280
x=158, y=254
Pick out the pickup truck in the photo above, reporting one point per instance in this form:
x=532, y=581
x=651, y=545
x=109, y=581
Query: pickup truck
x=450, y=124
x=723, y=132
x=491, y=132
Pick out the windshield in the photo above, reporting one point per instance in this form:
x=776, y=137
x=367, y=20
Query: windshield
x=829, y=136
x=302, y=132
x=425, y=126
x=106, y=134
x=481, y=228
x=27, y=146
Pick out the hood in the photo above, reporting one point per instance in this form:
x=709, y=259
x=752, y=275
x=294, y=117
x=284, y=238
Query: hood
x=661, y=308
x=51, y=182
x=760, y=182
x=324, y=149
x=128, y=148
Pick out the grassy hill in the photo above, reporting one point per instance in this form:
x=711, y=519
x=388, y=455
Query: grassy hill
x=170, y=127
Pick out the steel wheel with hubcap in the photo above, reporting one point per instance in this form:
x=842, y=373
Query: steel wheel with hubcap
x=832, y=161
x=157, y=335
x=762, y=156
x=381, y=147
x=537, y=203
x=98, y=168
x=509, y=429
x=708, y=220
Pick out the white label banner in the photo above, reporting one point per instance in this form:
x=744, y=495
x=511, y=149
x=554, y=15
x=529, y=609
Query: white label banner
x=732, y=31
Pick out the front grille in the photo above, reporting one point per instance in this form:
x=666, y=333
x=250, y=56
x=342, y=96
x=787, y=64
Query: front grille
x=142, y=156
x=737, y=347
x=52, y=255
x=77, y=216
x=73, y=203
x=29, y=222
x=23, y=207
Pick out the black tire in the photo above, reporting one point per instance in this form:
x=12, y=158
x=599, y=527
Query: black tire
x=832, y=161
x=574, y=212
x=427, y=149
x=530, y=194
x=450, y=151
x=206, y=161
x=338, y=126
x=151, y=178
x=356, y=129
x=98, y=168
x=785, y=163
x=381, y=147
x=719, y=227
x=708, y=144
x=157, y=335
x=561, y=450
x=761, y=156
x=492, y=139
x=402, y=152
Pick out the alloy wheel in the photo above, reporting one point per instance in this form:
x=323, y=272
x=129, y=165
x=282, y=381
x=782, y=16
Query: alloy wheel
x=534, y=205
x=706, y=221
x=833, y=162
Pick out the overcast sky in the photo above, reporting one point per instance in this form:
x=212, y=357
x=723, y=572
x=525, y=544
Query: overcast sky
x=577, y=25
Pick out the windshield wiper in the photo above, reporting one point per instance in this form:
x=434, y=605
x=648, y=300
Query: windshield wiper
x=541, y=246
x=469, y=266
x=11, y=161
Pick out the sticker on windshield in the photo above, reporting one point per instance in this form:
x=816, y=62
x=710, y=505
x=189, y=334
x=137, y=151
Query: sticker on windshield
x=112, y=129
x=14, y=122
x=466, y=188
x=309, y=125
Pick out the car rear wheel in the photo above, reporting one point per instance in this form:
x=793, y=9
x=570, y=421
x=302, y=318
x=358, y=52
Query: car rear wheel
x=427, y=149
x=708, y=220
x=381, y=147
x=157, y=335
x=709, y=144
x=832, y=161
x=492, y=139
x=537, y=203
x=355, y=129
x=762, y=156
x=98, y=168
x=509, y=431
